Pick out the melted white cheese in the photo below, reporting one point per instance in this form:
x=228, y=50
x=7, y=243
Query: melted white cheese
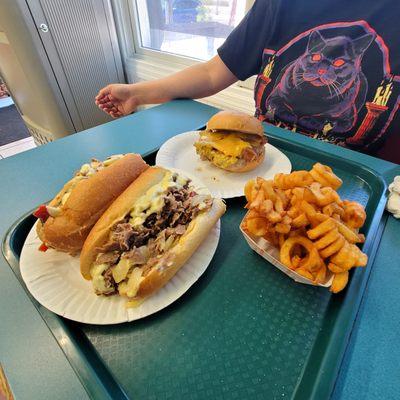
x=99, y=284
x=153, y=200
x=88, y=170
x=110, y=160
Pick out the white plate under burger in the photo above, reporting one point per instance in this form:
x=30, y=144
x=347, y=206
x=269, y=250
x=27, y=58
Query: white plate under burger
x=179, y=152
x=54, y=280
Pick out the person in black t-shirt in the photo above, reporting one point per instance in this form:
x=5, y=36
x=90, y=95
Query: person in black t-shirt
x=329, y=70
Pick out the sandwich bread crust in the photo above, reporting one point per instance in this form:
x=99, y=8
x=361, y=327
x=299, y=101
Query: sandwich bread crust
x=115, y=213
x=235, y=121
x=88, y=200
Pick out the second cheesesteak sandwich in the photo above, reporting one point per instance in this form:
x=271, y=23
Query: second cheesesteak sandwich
x=148, y=234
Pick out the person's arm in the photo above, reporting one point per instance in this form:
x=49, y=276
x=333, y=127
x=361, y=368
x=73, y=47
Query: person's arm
x=197, y=81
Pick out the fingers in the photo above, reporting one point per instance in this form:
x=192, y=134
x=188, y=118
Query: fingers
x=103, y=92
x=105, y=103
x=110, y=109
x=102, y=100
x=108, y=104
x=113, y=111
x=106, y=100
x=107, y=109
x=116, y=114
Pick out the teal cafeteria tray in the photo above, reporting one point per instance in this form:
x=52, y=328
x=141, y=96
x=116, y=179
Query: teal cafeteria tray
x=243, y=331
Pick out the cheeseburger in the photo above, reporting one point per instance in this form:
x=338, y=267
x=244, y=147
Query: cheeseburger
x=233, y=141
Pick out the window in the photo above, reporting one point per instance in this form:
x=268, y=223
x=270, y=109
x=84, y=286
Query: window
x=190, y=28
x=160, y=37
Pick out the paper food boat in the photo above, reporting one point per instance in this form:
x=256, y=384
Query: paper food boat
x=271, y=253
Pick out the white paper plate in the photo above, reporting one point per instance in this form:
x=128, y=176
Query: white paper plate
x=55, y=281
x=179, y=152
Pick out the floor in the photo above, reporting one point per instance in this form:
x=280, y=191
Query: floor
x=14, y=137
x=12, y=126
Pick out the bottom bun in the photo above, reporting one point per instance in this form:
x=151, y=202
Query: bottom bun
x=39, y=230
x=174, y=259
x=64, y=234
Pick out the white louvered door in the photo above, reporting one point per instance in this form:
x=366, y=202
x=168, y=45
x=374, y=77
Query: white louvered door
x=81, y=43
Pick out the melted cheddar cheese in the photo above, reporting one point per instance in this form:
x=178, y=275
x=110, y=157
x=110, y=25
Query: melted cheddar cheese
x=230, y=144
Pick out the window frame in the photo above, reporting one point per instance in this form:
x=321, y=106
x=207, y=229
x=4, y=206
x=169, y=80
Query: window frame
x=146, y=64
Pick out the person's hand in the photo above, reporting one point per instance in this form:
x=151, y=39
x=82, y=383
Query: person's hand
x=117, y=100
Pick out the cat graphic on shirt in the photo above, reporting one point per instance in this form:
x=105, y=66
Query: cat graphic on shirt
x=326, y=84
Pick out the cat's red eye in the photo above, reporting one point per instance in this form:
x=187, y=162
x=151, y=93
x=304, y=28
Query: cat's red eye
x=316, y=57
x=338, y=63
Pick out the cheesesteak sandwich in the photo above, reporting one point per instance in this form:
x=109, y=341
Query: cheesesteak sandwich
x=148, y=234
x=67, y=220
x=233, y=141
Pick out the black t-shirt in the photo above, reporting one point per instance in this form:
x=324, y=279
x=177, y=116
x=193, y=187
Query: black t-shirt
x=327, y=69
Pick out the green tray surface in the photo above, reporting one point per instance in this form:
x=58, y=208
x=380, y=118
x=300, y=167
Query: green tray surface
x=244, y=330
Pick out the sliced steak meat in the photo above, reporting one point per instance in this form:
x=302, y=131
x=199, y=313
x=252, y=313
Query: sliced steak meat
x=179, y=230
x=123, y=234
x=151, y=246
x=142, y=236
x=170, y=202
x=183, y=218
x=187, y=203
x=107, y=258
x=161, y=223
x=150, y=220
x=160, y=241
x=109, y=281
x=169, y=231
x=178, y=195
x=111, y=245
x=180, y=207
x=175, y=218
x=137, y=256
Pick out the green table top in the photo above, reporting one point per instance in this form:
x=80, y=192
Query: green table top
x=31, y=357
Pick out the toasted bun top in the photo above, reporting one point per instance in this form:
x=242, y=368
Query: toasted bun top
x=235, y=121
x=98, y=191
x=116, y=212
